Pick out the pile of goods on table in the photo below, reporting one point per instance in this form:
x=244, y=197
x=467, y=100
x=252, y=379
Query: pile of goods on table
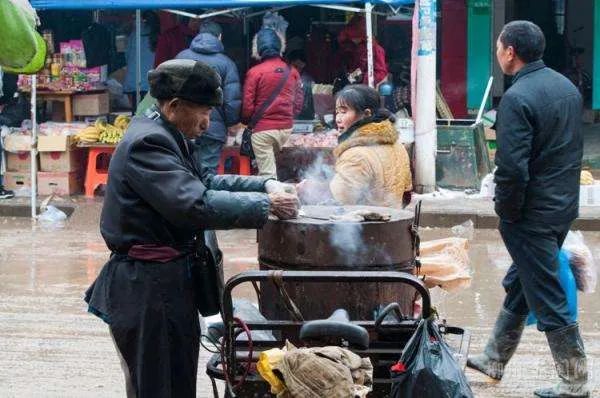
x=327, y=139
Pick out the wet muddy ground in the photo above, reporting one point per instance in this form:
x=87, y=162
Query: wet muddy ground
x=50, y=346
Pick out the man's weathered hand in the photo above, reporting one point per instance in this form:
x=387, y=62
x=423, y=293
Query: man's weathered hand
x=284, y=205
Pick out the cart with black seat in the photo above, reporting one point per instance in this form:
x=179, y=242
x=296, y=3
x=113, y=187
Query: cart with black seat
x=381, y=339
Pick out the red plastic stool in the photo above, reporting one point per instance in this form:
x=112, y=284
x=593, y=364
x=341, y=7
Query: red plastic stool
x=241, y=164
x=96, y=175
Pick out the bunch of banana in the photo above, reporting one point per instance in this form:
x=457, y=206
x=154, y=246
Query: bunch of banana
x=111, y=134
x=88, y=135
x=122, y=122
x=586, y=178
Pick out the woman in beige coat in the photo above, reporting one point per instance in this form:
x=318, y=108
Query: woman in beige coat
x=372, y=167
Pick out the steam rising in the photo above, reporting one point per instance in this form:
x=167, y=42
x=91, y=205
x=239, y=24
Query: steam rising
x=347, y=238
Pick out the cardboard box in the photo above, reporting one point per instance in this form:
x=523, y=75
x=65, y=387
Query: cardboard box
x=61, y=161
x=59, y=183
x=19, y=161
x=59, y=154
x=17, y=143
x=91, y=104
x=589, y=195
x=15, y=180
x=61, y=143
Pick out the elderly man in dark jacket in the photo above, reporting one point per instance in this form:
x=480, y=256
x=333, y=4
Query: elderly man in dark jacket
x=156, y=220
x=208, y=48
x=537, y=195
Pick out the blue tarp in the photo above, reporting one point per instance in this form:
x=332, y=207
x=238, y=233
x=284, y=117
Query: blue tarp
x=188, y=4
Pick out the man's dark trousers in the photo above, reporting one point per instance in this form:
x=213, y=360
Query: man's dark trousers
x=208, y=153
x=532, y=282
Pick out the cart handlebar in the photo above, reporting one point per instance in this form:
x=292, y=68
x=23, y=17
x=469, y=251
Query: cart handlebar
x=323, y=276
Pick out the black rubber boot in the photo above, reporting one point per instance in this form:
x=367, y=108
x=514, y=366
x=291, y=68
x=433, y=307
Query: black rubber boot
x=501, y=345
x=567, y=350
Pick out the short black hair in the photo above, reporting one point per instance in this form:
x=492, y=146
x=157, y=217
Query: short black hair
x=211, y=27
x=526, y=38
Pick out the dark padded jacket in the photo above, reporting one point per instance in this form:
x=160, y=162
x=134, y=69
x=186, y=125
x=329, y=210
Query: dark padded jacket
x=155, y=195
x=540, y=147
x=208, y=49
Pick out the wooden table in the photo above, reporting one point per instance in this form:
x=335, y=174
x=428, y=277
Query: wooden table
x=66, y=97
x=95, y=145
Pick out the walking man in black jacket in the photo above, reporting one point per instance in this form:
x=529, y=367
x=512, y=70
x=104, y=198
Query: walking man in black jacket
x=157, y=220
x=539, y=154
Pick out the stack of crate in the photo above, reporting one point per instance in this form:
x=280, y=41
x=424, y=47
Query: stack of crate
x=17, y=152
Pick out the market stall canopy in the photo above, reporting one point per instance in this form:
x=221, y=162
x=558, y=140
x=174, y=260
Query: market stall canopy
x=188, y=4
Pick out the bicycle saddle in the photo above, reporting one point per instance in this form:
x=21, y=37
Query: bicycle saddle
x=337, y=326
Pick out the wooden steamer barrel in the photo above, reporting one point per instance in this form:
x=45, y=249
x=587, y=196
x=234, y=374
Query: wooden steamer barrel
x=313, y=242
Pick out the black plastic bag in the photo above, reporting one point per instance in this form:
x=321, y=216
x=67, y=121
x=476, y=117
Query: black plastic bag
x=427, y=368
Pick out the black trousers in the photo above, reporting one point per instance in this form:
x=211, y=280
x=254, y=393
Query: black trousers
x=532, y=282
x=208, y=153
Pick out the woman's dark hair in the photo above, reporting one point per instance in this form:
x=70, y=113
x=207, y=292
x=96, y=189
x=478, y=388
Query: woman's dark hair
x=152, y=20
x=526, y=38
x=361, y=97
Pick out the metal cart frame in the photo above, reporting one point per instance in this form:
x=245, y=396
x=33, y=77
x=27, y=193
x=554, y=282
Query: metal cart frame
x=387, y=339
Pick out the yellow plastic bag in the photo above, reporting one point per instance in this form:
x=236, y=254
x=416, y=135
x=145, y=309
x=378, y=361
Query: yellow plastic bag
x=266, y=361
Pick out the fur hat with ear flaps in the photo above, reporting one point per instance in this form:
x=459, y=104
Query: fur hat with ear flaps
x=186, y=79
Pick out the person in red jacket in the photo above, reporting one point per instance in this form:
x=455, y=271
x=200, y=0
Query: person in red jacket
x=353, y=51
x=274, y=127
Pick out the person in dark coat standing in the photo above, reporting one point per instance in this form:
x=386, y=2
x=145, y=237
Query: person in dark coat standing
x=208, y=48
x=273, y=129
x=540, y=147
x=157, y=220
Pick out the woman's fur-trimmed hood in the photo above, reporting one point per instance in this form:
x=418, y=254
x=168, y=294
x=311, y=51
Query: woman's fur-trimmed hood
x=371, y=134
x=255, y=53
